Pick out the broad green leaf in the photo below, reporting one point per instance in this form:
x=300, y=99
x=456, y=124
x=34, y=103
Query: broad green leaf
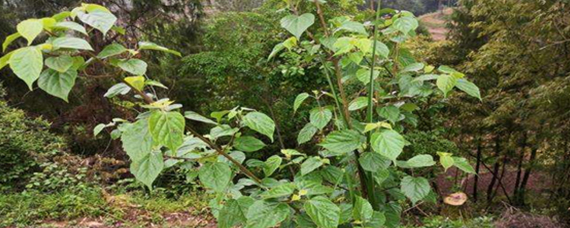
x=320, y=117
x=388, y=143
x=447, y=69
x=445, y=83
x=463, y=164
x=405, y=24
x=152, y=46
x=248, y=144
x=231, y=215
x=378, y=219
x=117, y=89
x=425, y=77
x=382, y=49
x=362, y=210
x=363, y=75
x=61, y=16
x=27, y=64
x=57, y=84
x=469, y=88
x=446, y=160
x=70, y=25
x=415, y=188
x=296, y=25
x=5, y=60
x=283, y=190
x=146, y=170
x=353, y=26
x=343, y=141
x=414, y=67
x=310, y=165
x=263, y=214
x=222, y=130
x=9, y=39
x=98, y=19
x=290, y=43
x=323, y=212
x=197, y=117
x=98, y=129
x=299, y=100
x=30, y=29
x=374, y=162
x=136, y=82
x=279, y=47
x=261, y=123
x=390, y=113
x=60, y=63
x=136, y=140
x=167, y=128
x=271, y=165
x=306, y=134
x=111, y=50
x=215, y=176
x=358, y=103
x=418, y=161
x=342, y=45
x=133, y=66
x=71, y=43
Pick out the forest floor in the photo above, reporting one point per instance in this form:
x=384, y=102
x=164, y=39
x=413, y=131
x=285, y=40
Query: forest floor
x=436, y=23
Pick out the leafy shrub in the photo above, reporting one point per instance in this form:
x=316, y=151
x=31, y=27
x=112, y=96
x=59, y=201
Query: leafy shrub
x=25, y=143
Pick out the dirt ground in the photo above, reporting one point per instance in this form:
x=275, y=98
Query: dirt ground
x=435, y=23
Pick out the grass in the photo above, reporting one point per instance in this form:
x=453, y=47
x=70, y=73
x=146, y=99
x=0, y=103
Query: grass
x=70, y=207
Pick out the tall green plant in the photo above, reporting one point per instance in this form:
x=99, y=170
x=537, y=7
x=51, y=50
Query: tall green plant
x=293, y=189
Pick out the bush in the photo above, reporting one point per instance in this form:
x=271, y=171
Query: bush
x=25, y=143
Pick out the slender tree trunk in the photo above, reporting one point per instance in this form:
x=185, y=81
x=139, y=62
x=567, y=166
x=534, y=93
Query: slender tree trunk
x=495, y=169
x=517, y=189
x=477, y=168
x=527, y=173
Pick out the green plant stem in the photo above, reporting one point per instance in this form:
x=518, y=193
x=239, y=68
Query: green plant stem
x=219, y=150
x=370, y=111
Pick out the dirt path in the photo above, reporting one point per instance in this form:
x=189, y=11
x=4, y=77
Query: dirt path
x=436, y=22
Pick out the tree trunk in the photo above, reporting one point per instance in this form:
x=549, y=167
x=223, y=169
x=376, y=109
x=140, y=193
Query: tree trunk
x=495, y=169
x=477, y=168
x=522, y=188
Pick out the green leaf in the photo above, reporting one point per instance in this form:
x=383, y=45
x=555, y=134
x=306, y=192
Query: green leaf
x=310, y=165
x=463, y=164
x=414, y=67
x=405, y=24
x=57, y=84
x=306, y=134
x=425, y=77
x=378, y=220
x=137, y=82
x=231, y=215
x=70, y=25
x=262, y=214
x=9, y=40
x=30, y=29
x=382, y=49
x=446, y=160
x=71, y=43
x=98, y=129
x=342, y=45
x=343, y=141
x=358, y=103
x=353, y=26
x=167, y=128
x=197, y=117
x=137, y=140
x=323, y=212
x=27, y=64
x=143, y=45
x=111, y=50
x=390, y=113
x=283, y=190
x=374, y=162
x=117, y=89
x=99, y=19
x=299, y=100
x=147, y=169
x=271, y=165
x=133, y=66
x=5, y=60
x=215, y=176
x=388, y=143
x=415, y=188
x=320, y=117
x=418, y=161
x=363, y=75
x=445, y=83
x=248, y=144
x=279, y=47
x=261, y=123
x=469, y=88
x=362, y=210
x=61, y=63
x=296, y=25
